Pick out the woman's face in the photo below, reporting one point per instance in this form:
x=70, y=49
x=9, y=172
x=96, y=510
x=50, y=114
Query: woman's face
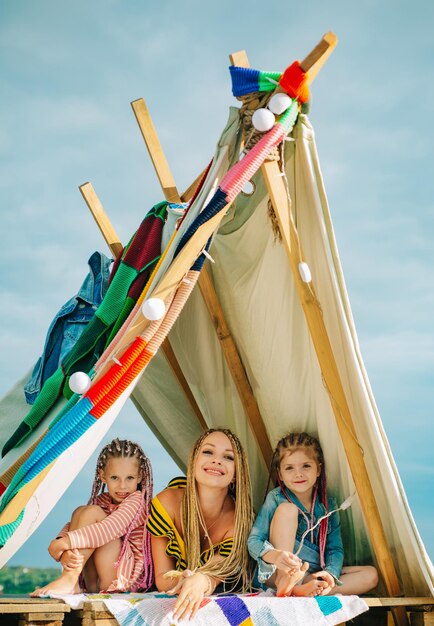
x=215, y=462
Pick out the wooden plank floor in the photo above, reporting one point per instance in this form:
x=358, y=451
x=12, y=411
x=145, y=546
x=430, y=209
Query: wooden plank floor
x=21, y=610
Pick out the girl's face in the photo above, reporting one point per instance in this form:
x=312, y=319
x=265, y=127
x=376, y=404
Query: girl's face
x=215, y=462
x=299, y=471
x=122, y=476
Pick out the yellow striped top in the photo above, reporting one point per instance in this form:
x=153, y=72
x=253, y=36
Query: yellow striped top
x=160, y=524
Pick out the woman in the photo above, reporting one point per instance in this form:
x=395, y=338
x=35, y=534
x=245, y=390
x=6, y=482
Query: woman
x=199, y=525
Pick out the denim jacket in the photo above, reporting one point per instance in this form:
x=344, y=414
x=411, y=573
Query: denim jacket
x=68, y=324
x=258, y=541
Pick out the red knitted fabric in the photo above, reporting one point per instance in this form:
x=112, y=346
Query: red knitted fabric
x=294, y=82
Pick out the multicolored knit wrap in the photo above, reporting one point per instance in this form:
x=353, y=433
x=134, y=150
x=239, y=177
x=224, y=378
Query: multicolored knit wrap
x=293, y=80
x=114, y=376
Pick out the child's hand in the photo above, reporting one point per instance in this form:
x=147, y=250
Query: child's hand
x=71, y=560
x=57, y=547
x=327, y=579
x=287, y=562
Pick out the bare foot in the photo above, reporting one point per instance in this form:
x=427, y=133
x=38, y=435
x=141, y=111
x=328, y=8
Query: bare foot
x=67, y=583
x=285, y=583
x=312, y=588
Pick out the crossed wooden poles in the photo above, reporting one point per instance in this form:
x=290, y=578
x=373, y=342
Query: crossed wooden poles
x=278, y=195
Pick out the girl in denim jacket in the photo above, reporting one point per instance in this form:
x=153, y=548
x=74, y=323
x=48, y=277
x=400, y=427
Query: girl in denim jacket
x=291, y=511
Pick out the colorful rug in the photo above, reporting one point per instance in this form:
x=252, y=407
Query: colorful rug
x=263, y=609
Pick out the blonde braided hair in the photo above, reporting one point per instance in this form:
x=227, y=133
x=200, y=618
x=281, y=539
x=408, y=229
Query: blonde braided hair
x=234, y=569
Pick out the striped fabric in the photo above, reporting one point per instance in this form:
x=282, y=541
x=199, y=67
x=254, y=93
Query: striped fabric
x=160, y=524
x=115, y=525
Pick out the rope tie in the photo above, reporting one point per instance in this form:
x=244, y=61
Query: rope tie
x=251, y=102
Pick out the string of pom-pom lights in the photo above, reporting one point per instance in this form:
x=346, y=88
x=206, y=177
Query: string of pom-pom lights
x=345, y=505
x=153, y=309
x=79, y=382
x=264, y=119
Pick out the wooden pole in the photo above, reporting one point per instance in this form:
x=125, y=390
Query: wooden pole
x=155, y=150
x=206, y=286
x=100, y=217
x=329, y=369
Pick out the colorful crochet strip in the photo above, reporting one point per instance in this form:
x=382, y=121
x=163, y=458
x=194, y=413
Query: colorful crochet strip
x=293, y=80
x=129, y=277
x=103, y=393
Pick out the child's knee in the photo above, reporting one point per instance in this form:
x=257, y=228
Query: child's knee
x=371, y=576
x=78, y=510
x=90, y=511
x=287, y=511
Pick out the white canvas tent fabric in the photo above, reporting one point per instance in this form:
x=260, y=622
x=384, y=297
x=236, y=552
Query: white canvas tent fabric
x=254, y=284
x=256, y=290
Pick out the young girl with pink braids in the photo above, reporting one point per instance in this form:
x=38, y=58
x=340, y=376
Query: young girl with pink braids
x=105, y=546
x=288, y=522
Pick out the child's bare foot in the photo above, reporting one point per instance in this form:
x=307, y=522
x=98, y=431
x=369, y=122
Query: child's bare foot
x=67, y=583
x=285, y=583
x=312, y=588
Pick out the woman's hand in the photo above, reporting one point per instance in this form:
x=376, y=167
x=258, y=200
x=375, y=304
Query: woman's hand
x=192, y=591
x=175, y=590
x=72, y=560
x=327, y=579
x=287, y=562
x=58, y=546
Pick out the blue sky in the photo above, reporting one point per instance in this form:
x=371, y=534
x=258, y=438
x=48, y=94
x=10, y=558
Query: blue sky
x=69, y=71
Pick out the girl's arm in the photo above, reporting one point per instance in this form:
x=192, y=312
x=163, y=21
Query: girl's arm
x=111, y=527
x=53, y=549
x=260, y=548
x=258, y=538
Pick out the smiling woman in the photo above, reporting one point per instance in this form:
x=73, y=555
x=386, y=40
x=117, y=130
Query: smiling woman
x=199, y=524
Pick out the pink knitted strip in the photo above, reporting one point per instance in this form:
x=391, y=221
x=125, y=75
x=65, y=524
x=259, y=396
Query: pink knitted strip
x=182, y=294
x=241, y=172
x=108, y=392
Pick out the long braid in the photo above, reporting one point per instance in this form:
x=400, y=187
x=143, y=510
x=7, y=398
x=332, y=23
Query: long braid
x=235, y=567
x=124, y=448
x=291, y=443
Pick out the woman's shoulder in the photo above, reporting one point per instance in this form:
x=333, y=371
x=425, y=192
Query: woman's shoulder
x=172, y=495
x=179, y=482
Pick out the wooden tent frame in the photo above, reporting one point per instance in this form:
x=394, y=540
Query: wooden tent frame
x=311, y=308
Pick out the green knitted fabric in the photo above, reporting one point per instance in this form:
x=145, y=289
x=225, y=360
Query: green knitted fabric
x=138, y=260
x=268, y=85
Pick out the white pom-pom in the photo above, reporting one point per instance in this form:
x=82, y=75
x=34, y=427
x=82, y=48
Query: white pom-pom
x=304, y=270
x=79, y=382
x=153, y=309
x=263, y=119
x=279, y=103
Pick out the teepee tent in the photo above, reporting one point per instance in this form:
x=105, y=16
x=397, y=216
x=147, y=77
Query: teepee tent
x=264, y=344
